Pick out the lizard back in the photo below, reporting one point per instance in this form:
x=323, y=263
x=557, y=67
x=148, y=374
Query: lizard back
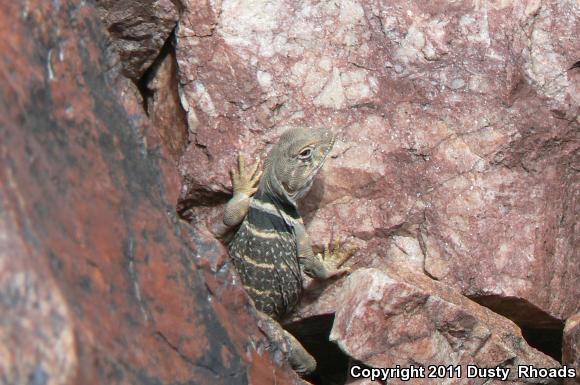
x=265, y=254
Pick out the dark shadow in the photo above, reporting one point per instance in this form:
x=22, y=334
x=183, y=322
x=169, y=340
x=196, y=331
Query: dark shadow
x=575, y=65
x=143, y=82
x=548, y=341
x=539, y=329
x=332, y=364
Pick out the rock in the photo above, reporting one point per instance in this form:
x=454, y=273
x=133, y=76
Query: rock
x=459, y=130
x=571, y=347
x=100, y=283
x=422, y=323
x=139, y=29
x=164, y=107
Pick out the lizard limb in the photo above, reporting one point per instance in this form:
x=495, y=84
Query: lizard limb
x=320, y=266
x=300, y=360
x=244, y=185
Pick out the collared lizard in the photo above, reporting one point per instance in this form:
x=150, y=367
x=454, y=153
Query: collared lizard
x=270, y=247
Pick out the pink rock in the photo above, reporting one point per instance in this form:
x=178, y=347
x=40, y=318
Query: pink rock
x=164, y=107
x=139, y=29
x=388, y=318
x=571, y=347
x=458, y=124
x=100, y=283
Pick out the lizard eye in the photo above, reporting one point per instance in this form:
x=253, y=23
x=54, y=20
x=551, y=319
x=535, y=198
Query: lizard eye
x=305, y=154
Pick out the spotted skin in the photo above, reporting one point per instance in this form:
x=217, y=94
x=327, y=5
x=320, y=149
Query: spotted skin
x=265, y=253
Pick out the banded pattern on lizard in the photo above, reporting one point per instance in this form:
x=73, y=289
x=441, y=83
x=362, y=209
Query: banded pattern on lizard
x=270, y=247
x=263, y=251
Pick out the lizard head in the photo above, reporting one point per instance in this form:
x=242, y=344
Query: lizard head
x=295, y=160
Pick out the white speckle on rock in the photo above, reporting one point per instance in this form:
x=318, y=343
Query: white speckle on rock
x=356, y=85
x=249, y=23
x=457, y=84
x=314, y=79
x=204, y=99
x=332, y=94
x=350, y=12
x=325, y=63
x=49, y=66
x=264, y=78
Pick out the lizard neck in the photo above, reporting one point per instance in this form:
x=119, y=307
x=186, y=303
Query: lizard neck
x=272, y=191
x=281, y=203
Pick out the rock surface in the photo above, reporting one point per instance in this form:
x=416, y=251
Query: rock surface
x=139, y=29
x=571, y=347
x=458, y=163
x=100, y=283
x=459, y=126
x=163, y=104
x=424, y=323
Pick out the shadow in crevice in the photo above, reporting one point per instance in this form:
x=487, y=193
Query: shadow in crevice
x=331, y=363
x=142, y=83
x=548, y=341
x=540, y=330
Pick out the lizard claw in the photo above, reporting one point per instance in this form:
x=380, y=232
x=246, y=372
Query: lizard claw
x=333, y=260
x=243, y=182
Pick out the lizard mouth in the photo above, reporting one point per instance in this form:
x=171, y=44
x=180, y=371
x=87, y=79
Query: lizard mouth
x=327, y=150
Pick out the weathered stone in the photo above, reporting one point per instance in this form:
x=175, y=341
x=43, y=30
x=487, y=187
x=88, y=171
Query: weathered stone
x=100, y=283
x=571, y=347
x=459, y=127
x=139, y=29
x=422, y=323
x=164, y=107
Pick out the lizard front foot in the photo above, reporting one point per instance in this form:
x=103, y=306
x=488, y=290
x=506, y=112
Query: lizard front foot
x=334, y=259
x=245, y=182
x=244, y=185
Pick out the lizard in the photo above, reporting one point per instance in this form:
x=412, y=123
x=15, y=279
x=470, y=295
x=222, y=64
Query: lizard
x=266, y=237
